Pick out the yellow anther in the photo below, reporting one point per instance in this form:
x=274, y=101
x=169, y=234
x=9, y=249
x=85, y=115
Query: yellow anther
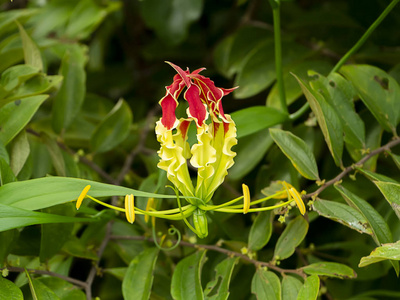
x=130, y=208
x=246, y=198
x=297, y=198
x=149, y=206
x=82, y=196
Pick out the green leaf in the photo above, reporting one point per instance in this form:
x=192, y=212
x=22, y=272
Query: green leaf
x=297, y=151
x=266, y=285
x=290, y=238
x=4, y=154
x=19, y=152
x=292, y=88
x=9, y=291
x=54, y=236
x=31, y=51
x=380, y=229
x=77, y=248
x=343, y=214
x=8, y=238
x=55, y=154
x=14, y=116
x=250, y=151
x=396, y=159
x=186, y=278
x=50, y=191
x=261, y=230
x=12, y=217
x=258, y=71
x=310, y=289
x=328, y=121
x=86, y=16
x=339, y=93
x=375, y=176
x=113, y=129
x=330, y=269
x=384, y=252
x=69, y=99
x=391, y=192
x=290, y=287
x=40, y=291
x=255, y=118
x=138, y=280
x=218, y=289
x=14, y=76
x=171, y=18
x=378, y=90
x=6, y=174
x=63, y=289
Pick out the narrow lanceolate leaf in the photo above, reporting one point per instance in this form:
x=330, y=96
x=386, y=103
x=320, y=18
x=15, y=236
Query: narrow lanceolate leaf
x=380, y=229
x=297, y=151
x=6, y=174
x=19, y=152
x=378, y=90
x=290, y=238
x=343, y=214
x=328, y=121
x=266, y=285
x=14, y=116
x=40, y=291
x=290, y=287
x=186, y=282
x=12, y=217
x=32, y=54
x=218, y=289
x=113, y=129
x=49, y=191
x=69, y=99
x=138, y=279
x=396, y=159
x=391, y=191
x=55, y=154
x=310, y=289
x=384, y=252
x=8, y=290
x=330, y=269
x=261, y=230
x=256, y=118
x=339, y=93
x=375, y=176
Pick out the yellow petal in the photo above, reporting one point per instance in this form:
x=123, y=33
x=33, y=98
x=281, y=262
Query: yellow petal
x=246, y=198
x=296, y=196
x=82, y=196
x=130, y=208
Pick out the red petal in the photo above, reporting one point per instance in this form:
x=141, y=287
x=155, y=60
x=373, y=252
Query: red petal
x=182, y=73
x=168, y=105
x=198, y=71
x=196, y=107
x=183, y=127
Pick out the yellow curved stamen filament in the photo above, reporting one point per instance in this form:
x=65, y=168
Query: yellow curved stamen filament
x=296, y=196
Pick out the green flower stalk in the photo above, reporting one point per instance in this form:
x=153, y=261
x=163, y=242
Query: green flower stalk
x=211, y=155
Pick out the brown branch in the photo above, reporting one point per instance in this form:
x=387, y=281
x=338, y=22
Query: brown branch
x=43, y=272
x=347, y=170
x=215, y=248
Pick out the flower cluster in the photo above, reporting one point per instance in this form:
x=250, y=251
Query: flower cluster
x=216, y=135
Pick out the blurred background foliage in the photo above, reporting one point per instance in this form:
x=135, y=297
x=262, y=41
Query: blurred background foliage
x=80, y=85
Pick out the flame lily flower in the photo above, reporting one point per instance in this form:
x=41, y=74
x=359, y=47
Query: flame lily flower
x=211, y=155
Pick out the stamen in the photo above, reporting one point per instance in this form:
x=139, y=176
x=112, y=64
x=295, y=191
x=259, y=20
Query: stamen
x=130, y=208
x=246, y=198
x=82, y=196
x=297, y=198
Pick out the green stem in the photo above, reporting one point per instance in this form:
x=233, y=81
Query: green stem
x=366, y=35
x=300, y=112
x=278, y=53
